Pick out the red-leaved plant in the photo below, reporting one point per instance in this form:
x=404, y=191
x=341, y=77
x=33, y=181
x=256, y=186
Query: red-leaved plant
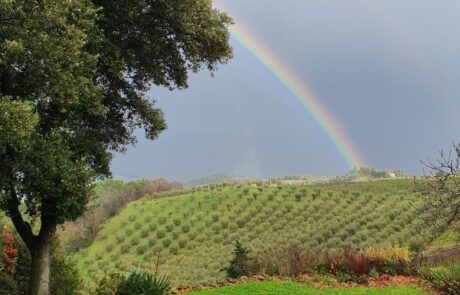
x=10, y=253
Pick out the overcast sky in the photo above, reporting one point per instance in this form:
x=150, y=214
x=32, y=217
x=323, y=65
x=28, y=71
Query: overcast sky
x=388, y=71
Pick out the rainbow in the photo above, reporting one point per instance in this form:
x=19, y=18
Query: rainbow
x=304, y=95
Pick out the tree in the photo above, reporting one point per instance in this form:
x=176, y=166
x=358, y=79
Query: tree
x=239, y=265
x=73, y=83
x=441, y=192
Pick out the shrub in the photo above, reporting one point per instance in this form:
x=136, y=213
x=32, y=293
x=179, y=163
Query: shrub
x=176, y=221
x=152, y=227
x=298, y=197
x=445, y=278
x=239, y=265
x=161, y=220
x=144, y=233
x=185, y=228
x=141, y=250
x=137, y=226
x=166, y=242
x=7, y=285
x=169, y=227
x=161, y=234
x=136, y=283
x=152, y=242
x=175, y=235
x=241, y=222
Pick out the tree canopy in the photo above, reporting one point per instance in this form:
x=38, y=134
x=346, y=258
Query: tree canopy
x=73, y=81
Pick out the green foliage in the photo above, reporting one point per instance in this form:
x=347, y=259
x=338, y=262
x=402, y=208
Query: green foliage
x=239, y=264
x=445, y=278
x=136, y=283
x=7, y=285
x=73, y=91
x=65, y=276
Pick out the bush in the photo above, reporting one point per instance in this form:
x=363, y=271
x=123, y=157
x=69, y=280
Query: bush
x=161, y=220
x=175, y=235
x=298, y=197
x=7, y=285
x=445, y=278
x=136, y=283
x=176, y=221
x=239, y=264
x=169, y=227
x=144, y=233
x=166, y=242
x=152, y=242
x=141, y=250
x=358, y=263
x=185, y=228
x=161, y=234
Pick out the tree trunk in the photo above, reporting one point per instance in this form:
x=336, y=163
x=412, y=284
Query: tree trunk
x=41, y=262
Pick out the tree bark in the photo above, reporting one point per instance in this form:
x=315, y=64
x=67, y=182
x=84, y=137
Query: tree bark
x=41, y=261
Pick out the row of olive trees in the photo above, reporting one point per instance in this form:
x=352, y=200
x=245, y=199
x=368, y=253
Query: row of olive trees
x=111, y=197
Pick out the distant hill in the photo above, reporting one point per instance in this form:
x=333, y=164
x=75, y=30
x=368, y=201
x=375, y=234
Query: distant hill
x=367, y=173
x=216, y=179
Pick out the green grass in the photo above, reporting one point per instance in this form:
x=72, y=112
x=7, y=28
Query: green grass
x=271, y=288
x=194, y=231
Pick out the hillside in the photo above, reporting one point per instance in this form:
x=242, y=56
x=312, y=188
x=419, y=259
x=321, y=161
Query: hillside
x=193, y=232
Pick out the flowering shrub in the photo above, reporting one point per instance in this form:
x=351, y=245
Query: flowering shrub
x=10, y=253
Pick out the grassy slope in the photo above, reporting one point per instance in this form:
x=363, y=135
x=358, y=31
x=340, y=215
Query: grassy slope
x=271, y=288
x=199, y=226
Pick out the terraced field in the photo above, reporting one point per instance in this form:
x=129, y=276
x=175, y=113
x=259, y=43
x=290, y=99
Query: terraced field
x=193, y=232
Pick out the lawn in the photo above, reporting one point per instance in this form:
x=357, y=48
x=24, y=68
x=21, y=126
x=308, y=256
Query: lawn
x=273, y=288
